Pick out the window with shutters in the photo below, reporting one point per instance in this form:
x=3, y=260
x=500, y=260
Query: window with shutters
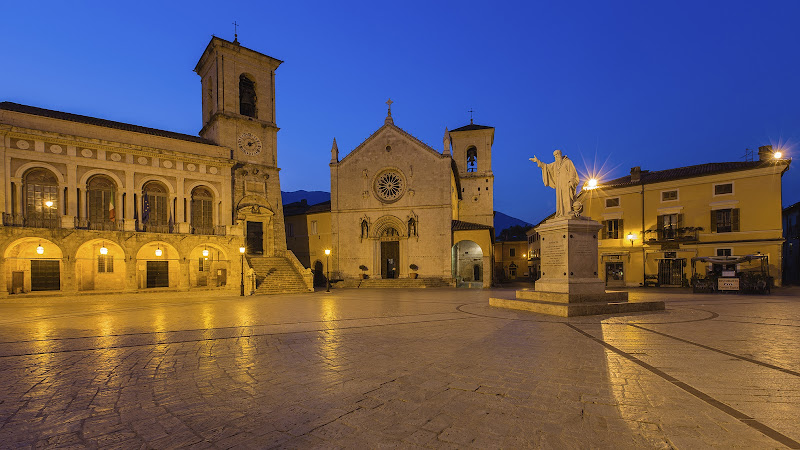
x=512, y=252
x=313, y=227
x=722, y=189
x=105, y=264
x=612, y=202
x=670, y=225
x=611, y=229
x=725, y=220
x=202, y=211
x=204, y=265
x=154, y=205
x=667, y=196
x=100, y=197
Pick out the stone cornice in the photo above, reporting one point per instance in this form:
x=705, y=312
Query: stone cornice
x=108, y=146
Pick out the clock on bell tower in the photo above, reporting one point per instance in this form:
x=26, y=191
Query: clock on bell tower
x=238, y=87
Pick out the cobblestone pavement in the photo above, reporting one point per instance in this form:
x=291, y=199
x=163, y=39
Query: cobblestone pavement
x=429, y=368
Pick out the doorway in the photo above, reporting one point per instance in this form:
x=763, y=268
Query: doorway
x=319, y=274
x=476, y=272
x=157, y=274
x=670, y=272
x=255, y=238
x=45, y=275
x=615, y=275
x=390, y=258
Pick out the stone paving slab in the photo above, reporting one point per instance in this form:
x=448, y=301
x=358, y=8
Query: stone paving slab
x=432, y=368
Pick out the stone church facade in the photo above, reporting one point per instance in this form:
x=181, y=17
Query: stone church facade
x=94, y=205
x=401, y=209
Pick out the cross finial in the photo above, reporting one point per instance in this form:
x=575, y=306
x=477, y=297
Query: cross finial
x=235, y=32
x=470, y=115
x=389, y=102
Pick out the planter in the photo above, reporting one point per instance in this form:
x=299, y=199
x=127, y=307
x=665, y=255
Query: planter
x=363, y=276
x=413, y=275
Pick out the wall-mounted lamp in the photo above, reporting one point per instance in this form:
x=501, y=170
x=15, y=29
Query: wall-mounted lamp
x=631, y=237
x=103, y=249
x=158, y=251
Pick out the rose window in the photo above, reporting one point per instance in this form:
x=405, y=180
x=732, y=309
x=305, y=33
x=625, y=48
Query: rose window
x=389, y=186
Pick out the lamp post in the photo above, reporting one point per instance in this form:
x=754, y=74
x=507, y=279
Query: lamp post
x=328, y=266
x=241, y=257
x=631, y=237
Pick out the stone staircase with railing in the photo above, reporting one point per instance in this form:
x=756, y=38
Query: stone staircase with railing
x=277, y=275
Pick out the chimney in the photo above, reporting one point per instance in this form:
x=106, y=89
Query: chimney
x=303, y=202
x=765, y=153
x=636, y=174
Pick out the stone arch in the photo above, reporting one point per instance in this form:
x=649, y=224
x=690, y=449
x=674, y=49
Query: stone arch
x=20, y=173
x=386, y=222
x=153, y=270
x=91, y=173
x=164, y=181
x=20, y=257
x=97, y=271
x=467, y=263
x=190, y=187
x=472, y=158
x=247, y=95
x=213, y=269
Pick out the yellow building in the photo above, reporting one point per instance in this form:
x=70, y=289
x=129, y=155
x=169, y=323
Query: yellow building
x=511, y=260
x=308, y=234
x=654, y=223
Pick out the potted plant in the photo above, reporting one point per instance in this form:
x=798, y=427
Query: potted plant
x=413, y=273
x=364, y=271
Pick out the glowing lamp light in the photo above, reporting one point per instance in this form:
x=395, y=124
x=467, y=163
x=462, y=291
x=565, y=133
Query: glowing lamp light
x=777, y=155
x=591, y=184
x=40, y=249
x=103, y=249
x=631, y=237
x=205, y=252
x=241, y=250
x=49, y=203
x=327, y=252
x=158, y=251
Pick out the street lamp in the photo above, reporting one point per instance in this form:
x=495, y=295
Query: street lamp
x=328, y=265
x=205, y=251
x=777, y=155
x=241, y=256
x=591, y=184
x=40, y=249
x=103, y=249
x=631, y=237
x=158, y=251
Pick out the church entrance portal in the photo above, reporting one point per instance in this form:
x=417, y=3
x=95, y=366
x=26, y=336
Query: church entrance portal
x=255, y=238
x=390, y=257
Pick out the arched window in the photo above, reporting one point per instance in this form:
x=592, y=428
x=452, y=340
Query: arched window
x=155, y=207
x=472, y=159
x=100, y=198
x=247, y=96
x=202, y=214
x=41, y=199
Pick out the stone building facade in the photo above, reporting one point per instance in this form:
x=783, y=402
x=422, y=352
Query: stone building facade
x=400, y=209
x=91, y=204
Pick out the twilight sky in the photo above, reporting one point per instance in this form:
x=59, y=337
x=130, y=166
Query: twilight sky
x=613, y=84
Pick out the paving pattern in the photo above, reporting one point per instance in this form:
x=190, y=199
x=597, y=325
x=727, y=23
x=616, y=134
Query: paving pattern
x=370, y=368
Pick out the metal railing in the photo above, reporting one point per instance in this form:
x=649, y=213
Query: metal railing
x=20, y=220
x=674, y=234
x=216, y=230
x=102, y=225
x=153, y=228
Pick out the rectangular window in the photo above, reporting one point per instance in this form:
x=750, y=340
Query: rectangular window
x=105, y=264
x=720, y=189
x=290, y=230
x=669, y=195
x=612, y=229
x=512, y=252
x=724, y=269
x=313, y=227
x=724, y=221
x=669, y=226
x=203, y=264
x=612, y=202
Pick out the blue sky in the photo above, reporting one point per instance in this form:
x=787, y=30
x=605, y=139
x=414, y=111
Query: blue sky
x=619, y=84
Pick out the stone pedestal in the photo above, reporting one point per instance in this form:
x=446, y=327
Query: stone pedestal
x=570, y=285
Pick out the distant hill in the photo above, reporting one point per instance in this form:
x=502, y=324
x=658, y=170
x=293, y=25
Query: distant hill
x=313, y=197
x=503, y=221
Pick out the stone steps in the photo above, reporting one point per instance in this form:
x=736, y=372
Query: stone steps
x=275, y=275
x=394, y=283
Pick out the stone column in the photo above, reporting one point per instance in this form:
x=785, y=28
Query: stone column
x=18, y=195
x=68, y=283
x=130, y=273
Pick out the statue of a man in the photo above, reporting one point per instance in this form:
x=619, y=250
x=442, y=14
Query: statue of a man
x=561, y=176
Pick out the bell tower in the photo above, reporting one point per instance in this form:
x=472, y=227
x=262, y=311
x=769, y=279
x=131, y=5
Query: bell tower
x=472, y=153
x=238, y=92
